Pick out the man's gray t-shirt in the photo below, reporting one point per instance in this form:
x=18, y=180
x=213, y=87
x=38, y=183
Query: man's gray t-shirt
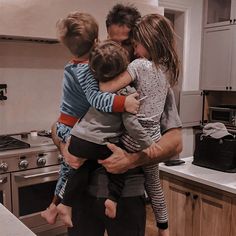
x=134, y=183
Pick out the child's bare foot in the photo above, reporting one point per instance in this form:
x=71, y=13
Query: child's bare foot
x=64, y=213
x=50, y=214
x=110, y=210
x=163, y=232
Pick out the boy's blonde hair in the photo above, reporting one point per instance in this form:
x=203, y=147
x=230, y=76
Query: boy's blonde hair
x=78, y=32
x=107, y=60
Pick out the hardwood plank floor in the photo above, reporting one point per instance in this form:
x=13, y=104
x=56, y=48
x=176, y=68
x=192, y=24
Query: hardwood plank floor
x=151, y=229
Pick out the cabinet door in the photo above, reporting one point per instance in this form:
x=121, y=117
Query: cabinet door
x=233, y=71
x=216, y=59
x=212, y=215
x=218, y=12
x=233, y=219
x=180, y=207
x=190, y=108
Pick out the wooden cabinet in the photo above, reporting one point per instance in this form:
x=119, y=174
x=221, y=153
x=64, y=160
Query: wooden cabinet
x=219, y=12
x=233, y=220
x=191, y=115
x=212, y=214
x=219, y=50
x=217, y=57
x=194, y=211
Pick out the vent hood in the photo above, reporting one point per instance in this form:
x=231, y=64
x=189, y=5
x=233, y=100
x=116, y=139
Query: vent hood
x=31, y=39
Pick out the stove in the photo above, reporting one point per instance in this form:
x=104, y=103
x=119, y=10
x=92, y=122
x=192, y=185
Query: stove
x=29, y=167
x=10, y=143
x=26, y=151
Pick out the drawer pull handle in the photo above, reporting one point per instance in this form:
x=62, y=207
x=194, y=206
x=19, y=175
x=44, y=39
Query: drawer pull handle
x=55, y=172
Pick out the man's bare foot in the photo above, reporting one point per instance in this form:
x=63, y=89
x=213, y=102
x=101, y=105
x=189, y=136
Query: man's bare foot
x=110, y=208
x=50, y=214
x=163, y=232
x=65, y=212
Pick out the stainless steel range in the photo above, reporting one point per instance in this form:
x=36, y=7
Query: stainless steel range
x=29, y=166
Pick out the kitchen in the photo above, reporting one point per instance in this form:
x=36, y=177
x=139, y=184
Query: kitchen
x=32, y=70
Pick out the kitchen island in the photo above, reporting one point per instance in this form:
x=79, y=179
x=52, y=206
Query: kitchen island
x=201, y=201
x=11, y=226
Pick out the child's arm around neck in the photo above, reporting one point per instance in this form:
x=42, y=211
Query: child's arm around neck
x=117, y=83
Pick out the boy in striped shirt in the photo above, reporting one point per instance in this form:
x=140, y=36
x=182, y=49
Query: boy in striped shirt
x=79, y=33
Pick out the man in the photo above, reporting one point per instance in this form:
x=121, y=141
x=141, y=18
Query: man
x=88, y=213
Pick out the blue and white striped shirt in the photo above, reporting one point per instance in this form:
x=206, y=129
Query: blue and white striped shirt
x=80, y=90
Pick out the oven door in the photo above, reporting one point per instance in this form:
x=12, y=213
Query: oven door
x=32, y=192
x=5, y=191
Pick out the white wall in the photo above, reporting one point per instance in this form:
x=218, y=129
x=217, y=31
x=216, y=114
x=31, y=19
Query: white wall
x=192, y=54
x=192, y=40
x=33, y=74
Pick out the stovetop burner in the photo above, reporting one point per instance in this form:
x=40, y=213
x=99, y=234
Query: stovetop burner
x=10, y=143
x=45, y=133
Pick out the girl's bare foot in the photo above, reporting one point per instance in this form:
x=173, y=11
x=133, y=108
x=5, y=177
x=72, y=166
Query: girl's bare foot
x=64, y=213
x=50, y=214
x=163, y=232
x=110, y=208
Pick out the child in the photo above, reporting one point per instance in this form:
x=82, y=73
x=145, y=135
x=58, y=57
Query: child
x=79, y=33
x=154, y=42
x=96, y=129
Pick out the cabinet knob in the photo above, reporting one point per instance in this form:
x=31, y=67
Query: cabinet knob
x=195, y=196
x=3, y=166
x=187, y=194
x=234, y=21
x=227, y=87
x=230, y=87
x=230, y=21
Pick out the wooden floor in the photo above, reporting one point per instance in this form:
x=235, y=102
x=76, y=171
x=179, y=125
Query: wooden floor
x=151, y=229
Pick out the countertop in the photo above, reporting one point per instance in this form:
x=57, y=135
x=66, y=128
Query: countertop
x=11, y=226
x=216, y=179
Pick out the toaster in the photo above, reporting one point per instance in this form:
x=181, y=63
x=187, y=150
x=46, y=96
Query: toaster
x=217, y=154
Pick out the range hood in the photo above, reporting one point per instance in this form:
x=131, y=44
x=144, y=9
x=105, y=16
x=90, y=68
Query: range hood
x=14, y=38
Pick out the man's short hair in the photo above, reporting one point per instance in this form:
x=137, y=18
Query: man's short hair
x=123, y=15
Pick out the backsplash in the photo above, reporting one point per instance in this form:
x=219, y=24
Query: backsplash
x=33, y=73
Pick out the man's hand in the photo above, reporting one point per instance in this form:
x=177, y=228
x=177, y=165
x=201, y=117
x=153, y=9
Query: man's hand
x=118, y=162
x=132, y=104
x=71, y=160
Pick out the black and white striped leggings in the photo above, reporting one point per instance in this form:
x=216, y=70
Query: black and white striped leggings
x=156, y=195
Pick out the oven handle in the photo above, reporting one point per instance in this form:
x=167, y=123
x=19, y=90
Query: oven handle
x=37, y=175
x=3, y=180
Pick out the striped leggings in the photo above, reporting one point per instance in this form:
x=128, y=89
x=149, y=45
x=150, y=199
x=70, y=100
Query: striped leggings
x=155, y=193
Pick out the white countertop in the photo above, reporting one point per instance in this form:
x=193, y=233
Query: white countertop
x=217, y=179
x=11, y=226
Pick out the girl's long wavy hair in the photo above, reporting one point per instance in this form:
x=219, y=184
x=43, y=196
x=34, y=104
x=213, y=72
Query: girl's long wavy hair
x=156, y=34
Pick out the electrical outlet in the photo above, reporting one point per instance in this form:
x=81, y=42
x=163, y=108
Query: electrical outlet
x=3, y=91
